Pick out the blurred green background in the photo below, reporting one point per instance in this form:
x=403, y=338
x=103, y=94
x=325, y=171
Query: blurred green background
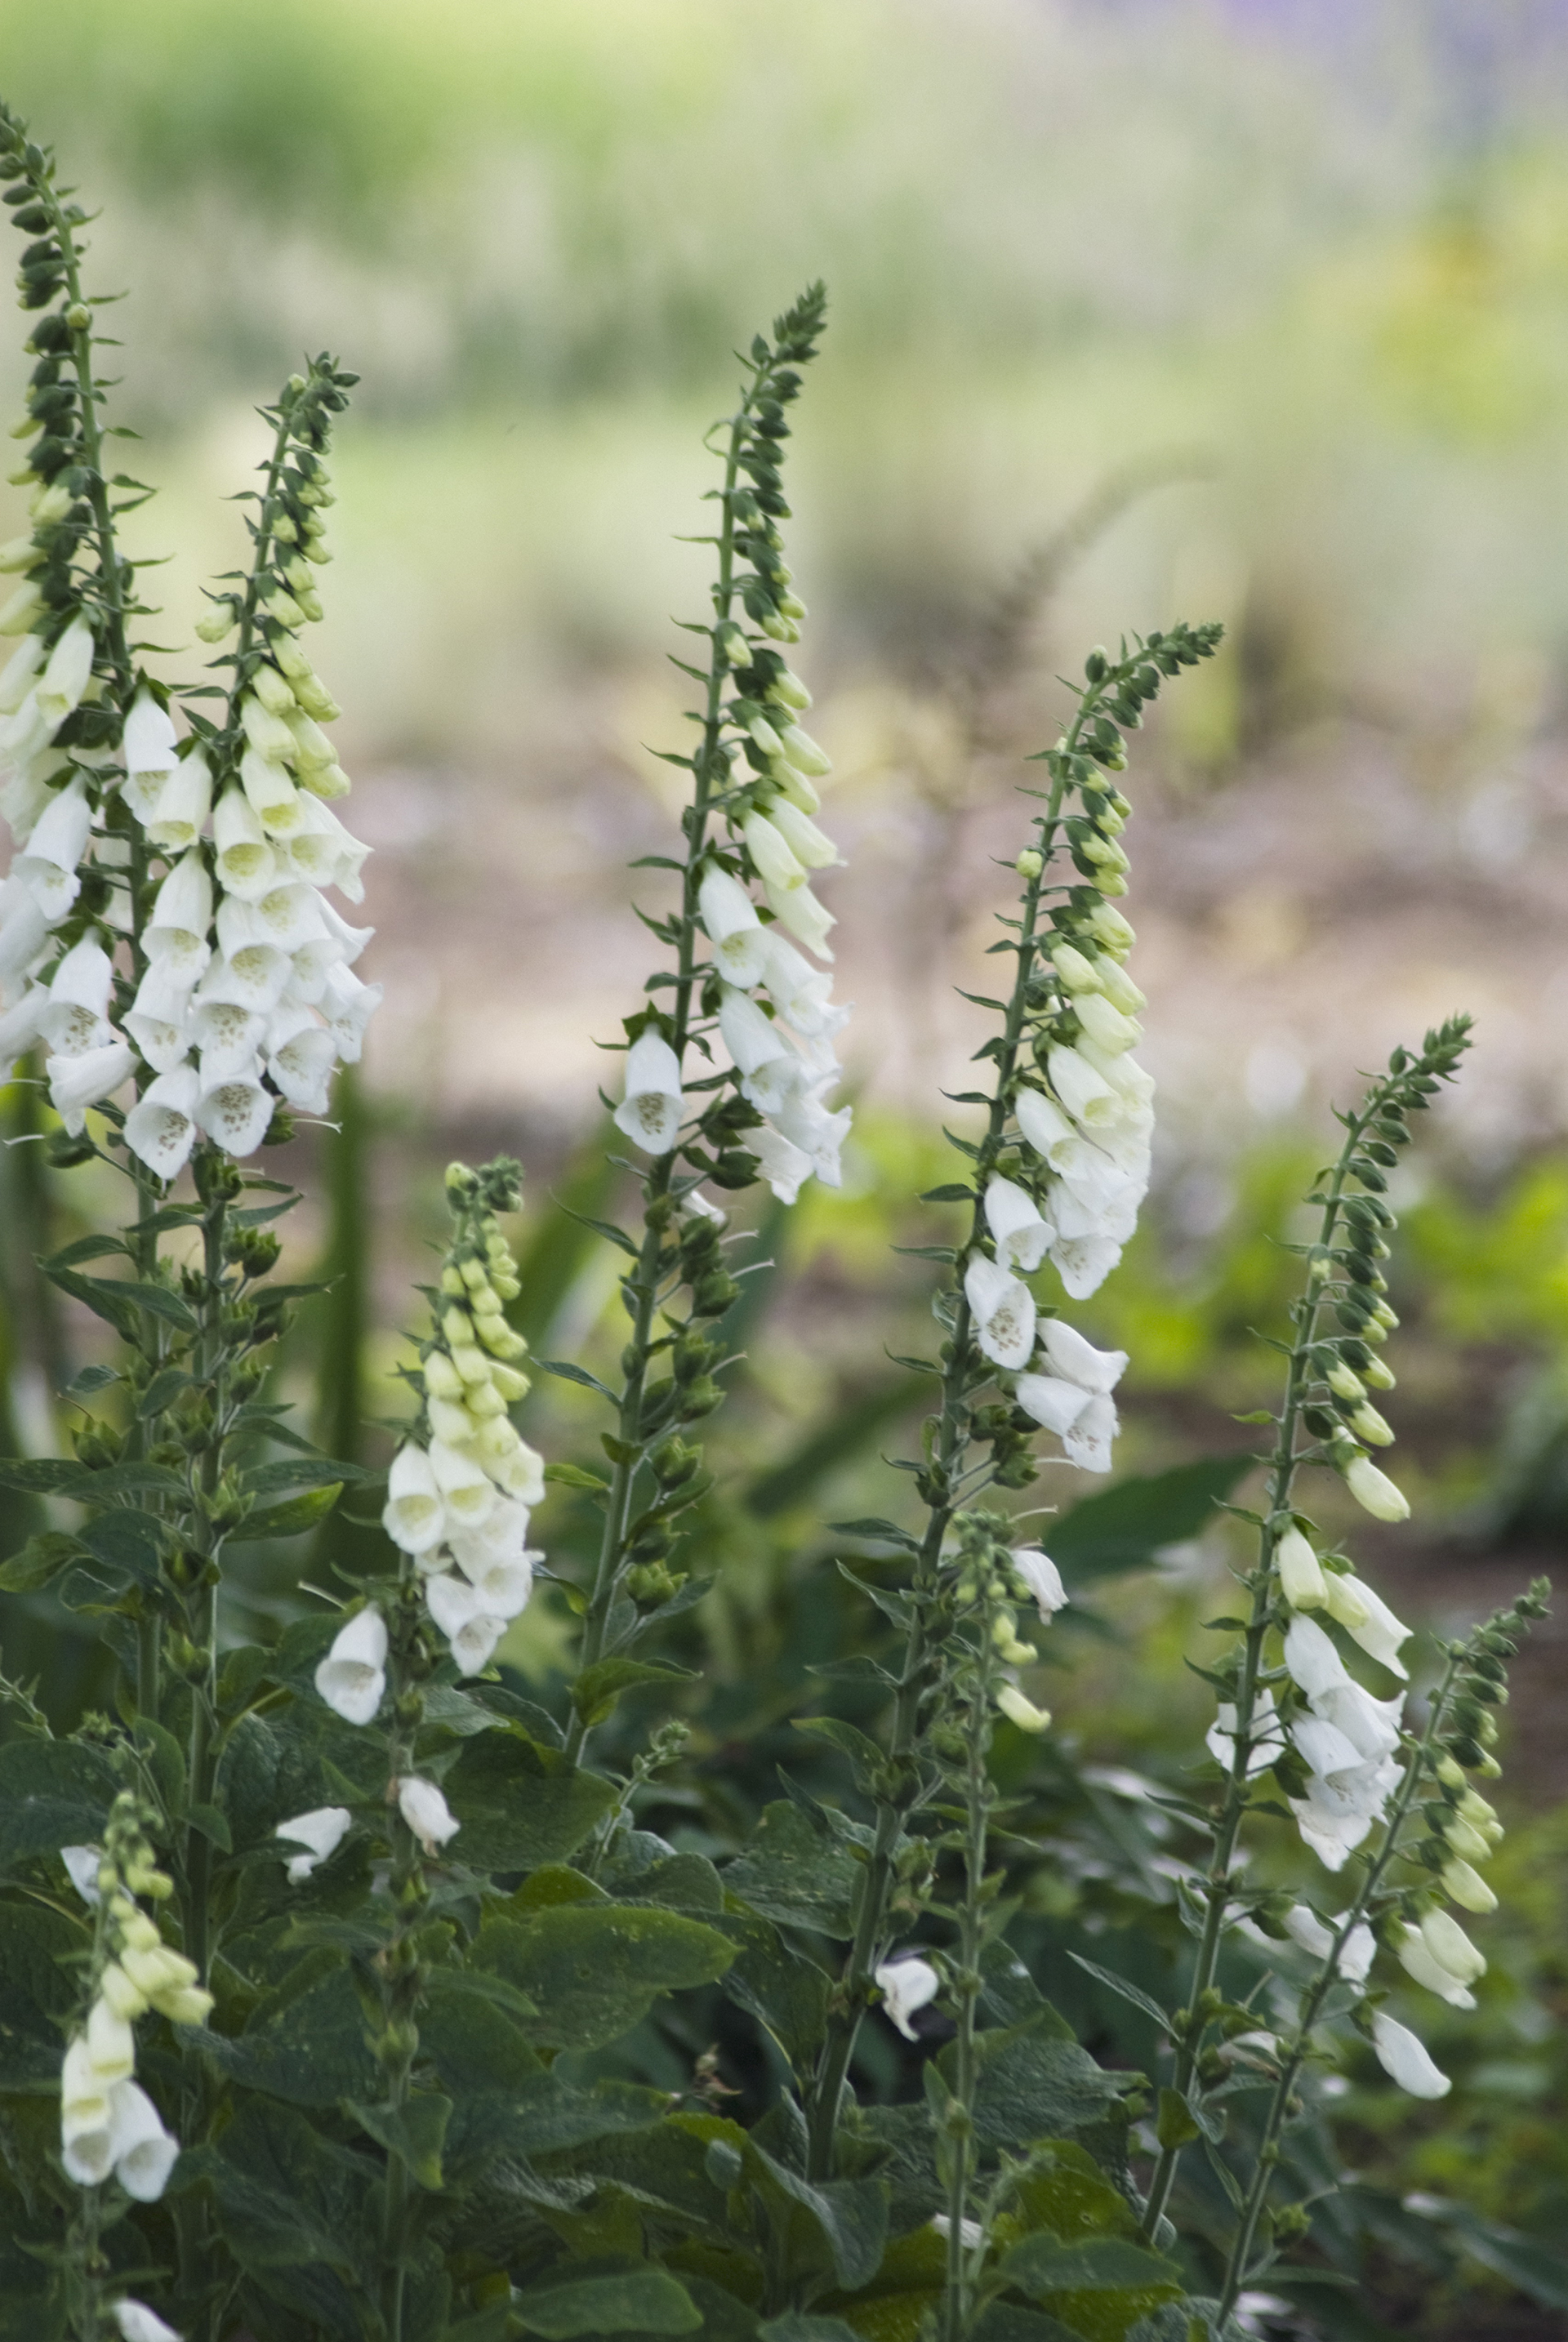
x=1254, y=309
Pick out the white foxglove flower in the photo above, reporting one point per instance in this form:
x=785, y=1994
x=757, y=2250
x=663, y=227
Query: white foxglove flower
x=24, y=797
x=182, y=915
x=465, y=1491
x=233, y=1109
x=1043, y=1125
x=179, y=816
x=59, y=839
x=1448, y=1943
x=425, y=1809
x=801, y=752
x=777, y=865
x=516, y=1469
x=414, y=1517
x=1368, y=1620
x=161, y=1127
x=226, y=1025
x=137, y=2323
x=503, y=1581
x=807, y=920
x=784, y=1165
x=76, y=1016
x=1019, y=1709
x=1311, y=1662
x=300, y=1057
x=1266, y=1740
x=83, y=1863
x=159, y=1019
x=247, y=866
x=273, y=798
x=1371, y=1726
x=17, y=674
x=1357, y=1953
x=1019, y=1233
x=348, y=1006
x=1040, y=1575
x=1419, y=1961
x=739, y=939
x=501, y=1536
x=1337, y=1811
x=1077, y=1360
x=1131, y=1082
x=25, y=734
x=650, y=1111
x=802, y=1120
x=267, y=733
x=1301, y=1575
x=111, y=2045
x=321, y=1832
x=1405, y=2059
x=1088, y=1097
x=1002, y=1308
x=770, y=1067
x=802, y=994
x=67, y=673
x=1465, y=1886
x=1323, y=1748
x=150, y=753
x=1373, y=1490
x=352, y=1675
x=906, y=1986
x=288, y=916
x=140, y=2148
x=1084, y=1263
x=459, y=1609
x=318, y=822
x=77, y=1083
x=251, y=967
x=1104, y=1026
x=312, y=752
x=1054, y=1403
x=809, y=844
x=1303, y=1927
x=19, y=1025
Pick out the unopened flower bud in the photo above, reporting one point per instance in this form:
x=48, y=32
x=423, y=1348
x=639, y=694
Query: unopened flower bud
x=1030, y=862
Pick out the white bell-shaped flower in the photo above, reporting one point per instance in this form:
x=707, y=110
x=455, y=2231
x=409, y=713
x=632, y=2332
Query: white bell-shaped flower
x=1077, y=1360
x=247, y=866
x=1017, y=1229
x=466, y=1493
x=161, y=1127
x=1311, y=1662
x=1089, y=1441
x=460, y=1612
x=503, y=1582
x=150, y=753
x=77, y=1083
x=67, y=671
x=75, y=1018
x=802, y=994
x=1002, y=1308
x=1054, y=1403
x=352, y=1677
x=182, y=917
x=140, y=2148
x=273, y=796
x=777, y=865
x=1417, y=1959
x=233, y=1109
x=1084, y=1263
x=320, y=1832
x=300, y=1057
x=1040, y=1575
x=808, y=843
x=1368, y=1620
x=1301, y=1575
x=16, y=676
x=348, y=1006
x=83, y=1863
x=906, y=1986
x=137, y=2323
x=19, y=1025
x=1087, y=1097
x=159, y=1019
x=111, y=2044
x=24, y=929
x=179, y=814
x=785, y=1165
x=797, y=908
x=1106, y=1026
x=1264, y=1741
x=1373, y=1490
x=1405, y=2059
x=414, y=1517
x=650, y=1110
x=226, y=1025
x=49, y=867
x=254, y=968
x=771, y=1067
x=426, y=1811
x=739, y=939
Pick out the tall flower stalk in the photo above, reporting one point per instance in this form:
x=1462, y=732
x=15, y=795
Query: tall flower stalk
x=751, y=845
x=1058, y=1171
x=1339, y=1758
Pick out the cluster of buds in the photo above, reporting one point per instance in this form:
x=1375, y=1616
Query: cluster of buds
x=460, y=1489
x=989, y=1579
x=769, y=768
x=108, y=2124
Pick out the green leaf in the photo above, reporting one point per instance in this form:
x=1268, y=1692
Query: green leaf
x=797, y=2326
x=566, y=1372
x=1534, y=2268
x=628, y=2299
x=1129, y=1992
x=41, y=1558
x=413, y=2132
x=61, y=1475
x=793, y=1875
x=598, y=1688
x=1176, y=2125
x=1032, y=2085
x=293, y=2208
x=126, y=1540
x=1041, y=2264
x=850, y=2216
x=573, y=1476
x=780, y=1987
x=311, y=2050
x=594, y=1969
x=882, y=1532
x=1126, y=1527
x=295, y=1515
x=53, y=1792
x=122, y=1302
x=867, y=1759
x=37, y=1992
x=521, y=1804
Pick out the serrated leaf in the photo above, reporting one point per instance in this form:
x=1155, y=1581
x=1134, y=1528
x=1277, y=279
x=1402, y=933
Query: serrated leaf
x=295, y=1515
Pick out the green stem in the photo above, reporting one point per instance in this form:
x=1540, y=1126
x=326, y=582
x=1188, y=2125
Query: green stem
x=402, y=1975
x=1216, y=1885
x=978, y=1797
x=963, y=1365
x=1311, y=2006
x=707, y=763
